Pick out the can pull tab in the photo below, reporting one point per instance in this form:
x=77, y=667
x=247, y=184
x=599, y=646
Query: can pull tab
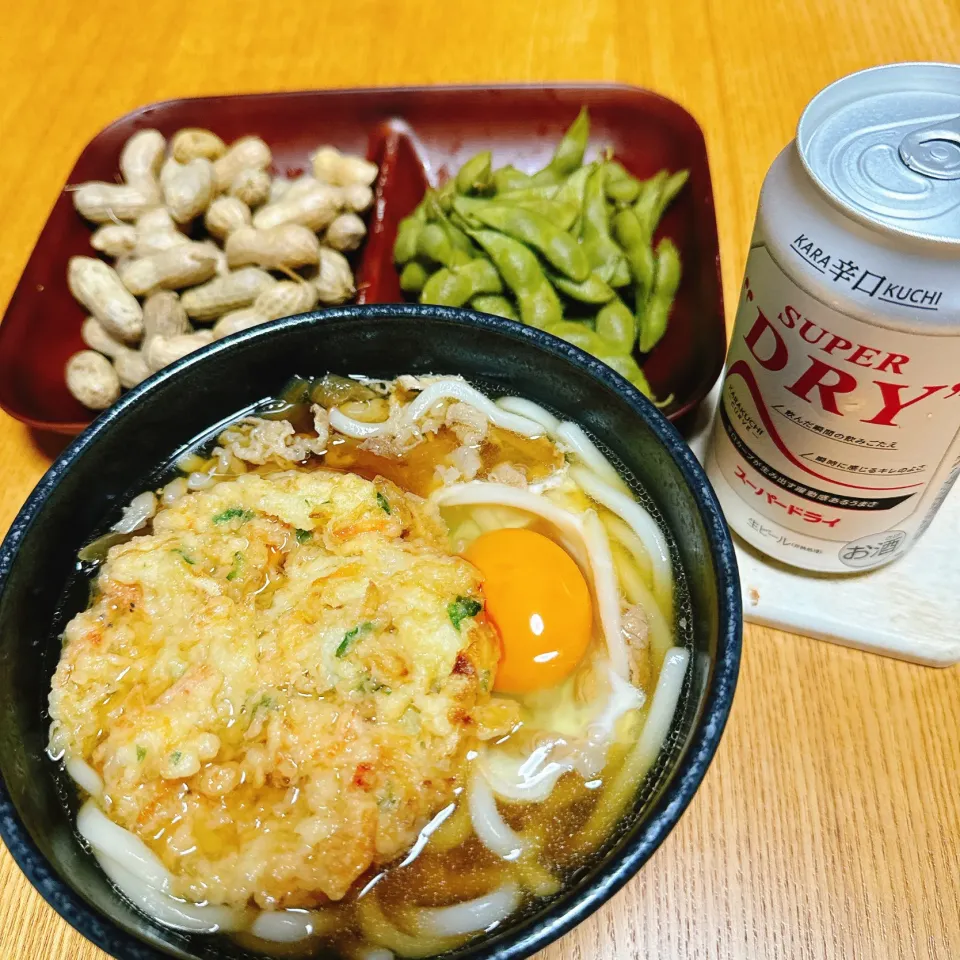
x=934, y=150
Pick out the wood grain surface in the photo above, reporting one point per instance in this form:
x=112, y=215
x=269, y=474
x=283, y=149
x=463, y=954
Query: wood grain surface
x=829, y=823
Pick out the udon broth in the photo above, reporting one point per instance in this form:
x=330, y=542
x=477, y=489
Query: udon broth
x=491, y=808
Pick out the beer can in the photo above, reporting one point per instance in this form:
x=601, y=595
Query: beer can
x=837, y=436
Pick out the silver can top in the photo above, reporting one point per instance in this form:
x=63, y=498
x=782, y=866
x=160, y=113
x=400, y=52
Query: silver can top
x=884, y=144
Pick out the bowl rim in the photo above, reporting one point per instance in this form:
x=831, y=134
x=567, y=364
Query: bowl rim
x=621, y=864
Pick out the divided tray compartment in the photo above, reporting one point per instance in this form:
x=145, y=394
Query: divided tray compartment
x=418, y=136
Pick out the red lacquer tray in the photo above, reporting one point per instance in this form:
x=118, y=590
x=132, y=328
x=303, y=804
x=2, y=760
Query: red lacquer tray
x=418, y=135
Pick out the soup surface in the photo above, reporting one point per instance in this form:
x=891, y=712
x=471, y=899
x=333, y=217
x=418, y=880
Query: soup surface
x=378, y=670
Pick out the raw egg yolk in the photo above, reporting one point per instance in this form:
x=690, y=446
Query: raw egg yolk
x=537, y=598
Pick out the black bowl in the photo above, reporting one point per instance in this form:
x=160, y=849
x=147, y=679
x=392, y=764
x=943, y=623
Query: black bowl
x=130, y=445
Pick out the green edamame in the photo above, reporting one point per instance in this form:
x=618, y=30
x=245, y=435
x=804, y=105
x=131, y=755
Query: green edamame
x=557, y=247
x=465, y=208
x=580, y=335
x=623, y=192
x=566, y=238
x=510, y=178
x=568, y=155
x=573, y=145
x=627, y=367
x=447, y=288
x=458, y=238
x=408, y=230
x=576, y=332
x=459, y=221
x=522, y=273
x=571, y=190
x=497, y=305
x=621, y=187
x=592, y=290
x=541, y=191
x=656, y=194
x=454, y=286
x=444, y=195
x=413, y=277
x=636, y=245
x=653, y=324
x=613, y=170
x=517, y=265
x=540, y=306
x=437, y=214
x=561, y=215
x=616, y=326
x=648, y=202
x=671, y=187
x=433, y=244
x=482, y=276
x=602, y=253
x=476, y=175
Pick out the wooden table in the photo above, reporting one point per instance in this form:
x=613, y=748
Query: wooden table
x=829, y=824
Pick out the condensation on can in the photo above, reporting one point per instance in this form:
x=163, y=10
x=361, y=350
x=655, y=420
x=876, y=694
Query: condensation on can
x=838, y=432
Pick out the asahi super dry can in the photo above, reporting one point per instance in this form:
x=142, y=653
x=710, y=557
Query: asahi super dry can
x=838, y=432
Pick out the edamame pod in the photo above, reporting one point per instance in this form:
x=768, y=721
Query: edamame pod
x=671, y=187
x=459, y=221
x=458, y=238
x=466, y=207
x=621, y=187
x=573, y=145
x=592, y=290
x=482, y=276
x=408, y=230
x=580, y=335
x=454, y=286
x=447, y=288
x=557, y=247
x=655, y=317
x=542, y=191
x=510, y=178
x=476, y=175
x=497, y=305
x=617, y=326
x=522, y=273
x=517, y=264
x=433, y=243
x=539, y=307
x=413, y=277
x=571, y=190
x=645, y=270
x=648, y=202
x=445, y=195
x=627, y=367
x=568, y=155
x=438, y=215
x=623, y=192
x=577, y=333
x=602, y=253
x=636, y=245
x=561, y=215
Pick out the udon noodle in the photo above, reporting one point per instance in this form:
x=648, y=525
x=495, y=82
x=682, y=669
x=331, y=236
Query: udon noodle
x=307, y=701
